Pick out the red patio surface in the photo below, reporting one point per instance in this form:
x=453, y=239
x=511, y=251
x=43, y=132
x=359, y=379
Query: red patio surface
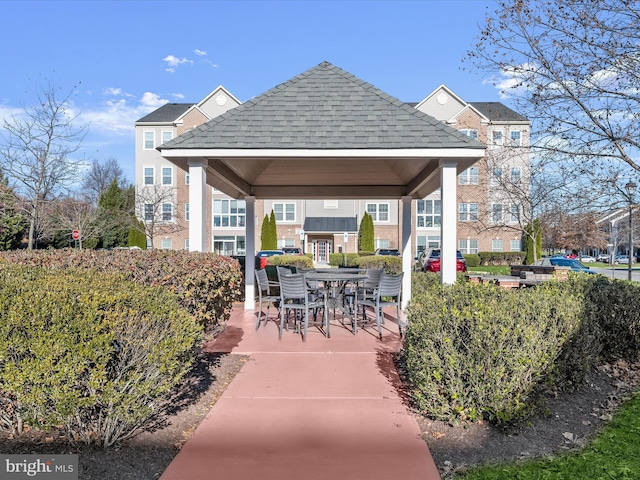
x=321, y=409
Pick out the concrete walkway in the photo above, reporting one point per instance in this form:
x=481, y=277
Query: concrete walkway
x=326, y=408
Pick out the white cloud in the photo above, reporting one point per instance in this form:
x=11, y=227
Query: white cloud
x=152, y=100
x=174, y=62
x=201, y=53
x=178, y=95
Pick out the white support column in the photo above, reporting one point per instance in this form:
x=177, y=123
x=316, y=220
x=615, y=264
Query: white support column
x=197, y=205
x=249, y=254
x=449, y=221
x=407, y=253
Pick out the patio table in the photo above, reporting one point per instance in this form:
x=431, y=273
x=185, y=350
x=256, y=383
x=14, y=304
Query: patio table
x=335, y=283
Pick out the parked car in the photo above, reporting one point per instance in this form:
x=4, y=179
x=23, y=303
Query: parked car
x=573, y=264
x=262, y=255
x=432, y=263
x=587, y=259
x=292, y=250
x=388, y=251
x=604, y=257
x=622, y=259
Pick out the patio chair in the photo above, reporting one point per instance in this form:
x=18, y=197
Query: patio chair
x=265, y=295
x=295, y=295
x=386, y=294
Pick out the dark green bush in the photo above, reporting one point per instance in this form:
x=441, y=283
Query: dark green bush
x=298, y=261
x=479, y=351
x=473, y=259
x=501, y=258
x=89, y=351
x=207, y=284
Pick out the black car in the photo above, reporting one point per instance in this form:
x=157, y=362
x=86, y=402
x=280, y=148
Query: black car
x=388, y=251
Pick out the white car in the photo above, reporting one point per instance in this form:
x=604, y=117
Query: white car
x=587, y=259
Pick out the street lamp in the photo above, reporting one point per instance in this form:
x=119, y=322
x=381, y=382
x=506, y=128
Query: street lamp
x=630, y=187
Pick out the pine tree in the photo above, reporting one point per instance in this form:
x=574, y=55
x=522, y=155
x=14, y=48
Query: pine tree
x=273, y=237
x=366, y=234
x=114, y=215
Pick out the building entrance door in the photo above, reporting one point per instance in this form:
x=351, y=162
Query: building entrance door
x=322, y=249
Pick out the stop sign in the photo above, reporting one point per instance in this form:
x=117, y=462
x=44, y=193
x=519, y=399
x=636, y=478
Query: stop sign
x=75, y=234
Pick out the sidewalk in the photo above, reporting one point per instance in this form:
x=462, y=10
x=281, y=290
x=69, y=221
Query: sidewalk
x=315, y=410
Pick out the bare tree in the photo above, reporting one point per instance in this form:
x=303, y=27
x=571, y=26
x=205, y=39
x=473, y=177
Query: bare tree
x=572, y=67
x=99, y=177
x=36, y=151
x=157, y=209
x=76, y=214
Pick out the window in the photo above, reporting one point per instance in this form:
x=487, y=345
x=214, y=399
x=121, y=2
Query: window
x=428, y=213
x=229, y=213
x=229, y=244
x=148, y=212
x=381, y=243
x=497, y=137
x=496, y=176
x=471, y=132
x=468, y=246
x=379, y=212
x=468, y=212
x=166, y=136
x=496, y=245
x=515, y=212
x=496, y=213
x=516, y=245
x=167, y=176
x=167, y=212
x=186, y=179
x=516, y=139
x=331, y=204
x=284, y=212
x=149, y=140
x=516, y=175
x=186, y=244
x=149, y=175
x=186, y=212
x=166, y=244
x=469, y=176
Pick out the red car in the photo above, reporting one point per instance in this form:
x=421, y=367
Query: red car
x=433, y=262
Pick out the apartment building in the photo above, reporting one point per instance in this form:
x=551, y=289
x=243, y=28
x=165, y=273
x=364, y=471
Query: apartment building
x=488, y=215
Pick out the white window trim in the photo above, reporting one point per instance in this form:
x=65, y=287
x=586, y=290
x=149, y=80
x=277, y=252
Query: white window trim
x=162, y=212
x=162, y=133
x=465, y=178
x=493, y=212
x=162, y=169
x=144, y=176
x=377, y=219
x=144, y=140
x=511, y=141
x=186, y=212
x=284, y=211
x=468, y=212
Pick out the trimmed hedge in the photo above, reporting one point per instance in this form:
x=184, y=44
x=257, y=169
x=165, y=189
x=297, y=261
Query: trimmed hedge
x=91, y=352
x=479, y=351
x=207, y=284
x=501, y=258
x=472, y=259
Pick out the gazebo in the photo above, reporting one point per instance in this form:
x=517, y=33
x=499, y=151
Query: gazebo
x=325, y=134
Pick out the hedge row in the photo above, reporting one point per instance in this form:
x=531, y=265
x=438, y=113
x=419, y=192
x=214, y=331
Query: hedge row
x=88, y=352
x=206, y=284
x=501, y=258
x=479, y=351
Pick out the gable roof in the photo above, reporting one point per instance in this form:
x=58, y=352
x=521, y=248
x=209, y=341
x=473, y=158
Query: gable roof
x=169, y=112
x=323, y=108
x=498, y=112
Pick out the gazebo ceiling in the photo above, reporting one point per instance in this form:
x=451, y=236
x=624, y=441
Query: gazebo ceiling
x=324, y=134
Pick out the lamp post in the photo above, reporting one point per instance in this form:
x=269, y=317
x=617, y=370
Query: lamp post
x=630, y=187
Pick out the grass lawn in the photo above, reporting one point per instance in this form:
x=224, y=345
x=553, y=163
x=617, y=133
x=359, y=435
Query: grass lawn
x=491, y=269
x=613, y=454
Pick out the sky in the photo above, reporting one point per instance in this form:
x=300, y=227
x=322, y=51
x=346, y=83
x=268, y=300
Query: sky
x=124, y=59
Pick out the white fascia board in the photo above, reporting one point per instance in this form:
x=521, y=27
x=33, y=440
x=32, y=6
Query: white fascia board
x=346, y=153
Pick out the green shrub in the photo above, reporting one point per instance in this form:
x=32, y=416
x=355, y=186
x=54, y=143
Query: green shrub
x=88, y=351
x=390, y=264
x=337, y=259
x=298, y=261
x=473, y=259
x=479, y=351
x=207, y=284
x=501, y=258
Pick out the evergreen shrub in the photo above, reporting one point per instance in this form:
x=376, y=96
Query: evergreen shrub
x=473, y=259
x=88, y=352
x=207, y=284
x=479, y=351
x=390, y=264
